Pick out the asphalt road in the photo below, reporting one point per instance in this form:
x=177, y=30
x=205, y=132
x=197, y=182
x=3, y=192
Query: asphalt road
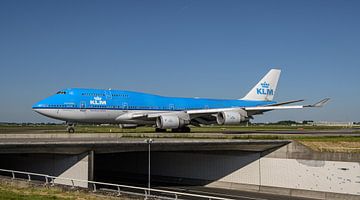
x=231, y=194
x=211, y=192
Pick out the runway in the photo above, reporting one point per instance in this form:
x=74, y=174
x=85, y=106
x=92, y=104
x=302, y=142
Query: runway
x=194, y=133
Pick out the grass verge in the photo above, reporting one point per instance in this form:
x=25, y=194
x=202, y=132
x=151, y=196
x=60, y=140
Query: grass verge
x=21, y=190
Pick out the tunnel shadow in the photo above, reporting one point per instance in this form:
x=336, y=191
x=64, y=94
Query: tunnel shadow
x=186, y=168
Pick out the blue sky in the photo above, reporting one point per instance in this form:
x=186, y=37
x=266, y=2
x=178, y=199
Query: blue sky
x=183, y=48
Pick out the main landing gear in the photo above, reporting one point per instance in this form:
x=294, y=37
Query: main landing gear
x=160, y=130
x=184, y=129
x=70, y=128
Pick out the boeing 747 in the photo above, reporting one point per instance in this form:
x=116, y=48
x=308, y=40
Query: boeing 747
x=132, y=109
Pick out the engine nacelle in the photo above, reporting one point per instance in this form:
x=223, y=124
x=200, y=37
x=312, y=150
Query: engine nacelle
x=127, y=126
x=229, y=118
x=169, y=121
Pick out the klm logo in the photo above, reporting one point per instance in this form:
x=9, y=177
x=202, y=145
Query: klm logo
x=265, y=89
x=97, y=101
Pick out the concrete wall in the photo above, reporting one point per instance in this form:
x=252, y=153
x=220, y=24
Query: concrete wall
x=291, y=170
x=242, y=170
x=295, y=177
x=315, y=175
x=326, y=176
x=78, y=170
x=66, y=166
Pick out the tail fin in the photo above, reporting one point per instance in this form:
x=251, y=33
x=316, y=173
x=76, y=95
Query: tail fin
x=265, y=89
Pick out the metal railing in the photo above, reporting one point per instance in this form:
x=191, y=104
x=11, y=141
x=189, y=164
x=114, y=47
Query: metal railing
x=116, y=188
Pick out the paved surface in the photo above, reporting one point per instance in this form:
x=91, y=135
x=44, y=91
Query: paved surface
x=231, y=194
x=79, y=143
x=42, y=142
x=213, y=192
x=334, y=132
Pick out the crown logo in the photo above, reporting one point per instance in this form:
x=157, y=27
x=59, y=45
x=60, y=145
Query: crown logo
x=265, y=85
x=97, y=98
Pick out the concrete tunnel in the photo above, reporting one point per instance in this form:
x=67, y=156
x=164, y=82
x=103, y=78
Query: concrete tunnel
x=173, y=162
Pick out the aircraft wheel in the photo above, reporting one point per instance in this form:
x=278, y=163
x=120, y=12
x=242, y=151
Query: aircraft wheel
x=184, y=129
x=71, y=130
x=175, y=130
x=160, y=130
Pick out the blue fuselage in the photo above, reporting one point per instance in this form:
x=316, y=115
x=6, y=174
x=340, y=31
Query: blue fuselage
x=126, y=100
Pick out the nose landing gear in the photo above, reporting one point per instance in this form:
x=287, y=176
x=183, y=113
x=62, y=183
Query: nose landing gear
x=70, y=128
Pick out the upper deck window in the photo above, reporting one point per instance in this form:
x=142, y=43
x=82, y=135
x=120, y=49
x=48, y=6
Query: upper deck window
x=61, y=92
x=92, y=94
x=120, y=95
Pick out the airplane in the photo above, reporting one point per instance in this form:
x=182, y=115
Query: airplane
x=132, y=109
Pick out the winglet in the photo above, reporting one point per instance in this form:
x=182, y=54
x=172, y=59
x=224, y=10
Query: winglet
x=320, y=103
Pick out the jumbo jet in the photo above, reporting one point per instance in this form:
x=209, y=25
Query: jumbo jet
x=132, y=109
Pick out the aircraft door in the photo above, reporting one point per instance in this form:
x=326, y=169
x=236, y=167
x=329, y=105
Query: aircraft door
x=108, y=94
x=83, y=106
x=125, y=106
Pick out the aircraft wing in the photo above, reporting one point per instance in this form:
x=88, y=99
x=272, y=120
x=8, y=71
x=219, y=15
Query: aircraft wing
x=208, y=116
x=286, y=102
x=277, y=106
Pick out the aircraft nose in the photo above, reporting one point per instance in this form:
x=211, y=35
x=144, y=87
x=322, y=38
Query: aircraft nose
x=42, y=106
x=39, y=105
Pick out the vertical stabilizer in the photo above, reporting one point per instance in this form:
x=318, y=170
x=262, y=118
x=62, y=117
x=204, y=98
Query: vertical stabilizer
x=265, y=89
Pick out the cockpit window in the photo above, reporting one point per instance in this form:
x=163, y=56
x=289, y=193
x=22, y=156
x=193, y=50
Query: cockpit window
x=61, y=92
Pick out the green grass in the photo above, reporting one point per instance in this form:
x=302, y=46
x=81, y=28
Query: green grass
x=343, y=145
x=5, y=194
x=331, y=138
x=21, y=190
x=11, y=191
x=26, y=128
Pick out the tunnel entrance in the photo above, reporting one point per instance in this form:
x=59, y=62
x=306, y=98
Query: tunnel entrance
x=185, y=168
x=189, y=162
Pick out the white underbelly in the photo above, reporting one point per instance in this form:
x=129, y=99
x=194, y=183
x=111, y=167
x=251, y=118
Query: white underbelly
x=96, y=115
x=83, y=115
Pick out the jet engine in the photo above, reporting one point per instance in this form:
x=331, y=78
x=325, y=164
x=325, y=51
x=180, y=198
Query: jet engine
x=128, y=126
x=169, y=121
x=230, y=118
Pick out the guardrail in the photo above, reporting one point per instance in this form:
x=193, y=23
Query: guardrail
x=116, y=188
